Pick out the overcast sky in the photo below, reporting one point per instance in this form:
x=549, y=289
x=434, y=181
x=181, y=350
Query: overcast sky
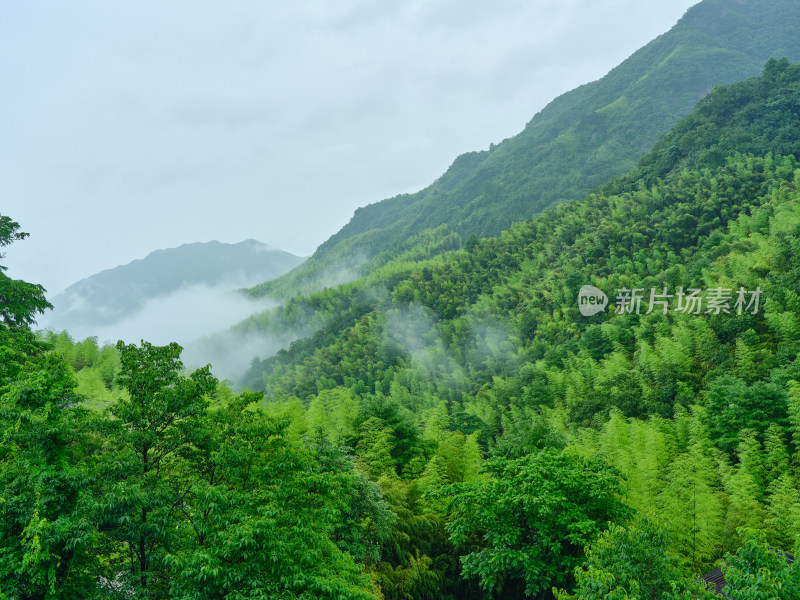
x=131, y=126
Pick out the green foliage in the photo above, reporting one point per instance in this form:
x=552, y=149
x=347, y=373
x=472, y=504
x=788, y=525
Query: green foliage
x=421, y=368
x=363, y=472
x=698, y=140
x=95, y=367
x=20, y=301
x=632, y=563
x=733, y=406
x=374, y=450
x=45, y=537
x=167, y=494
x=156, y=425
x=238, y=539
x=783, y=513
x=534, y=516
x=758, y=571
x=417, y=581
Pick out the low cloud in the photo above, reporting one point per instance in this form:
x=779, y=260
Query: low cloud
x=182, y=316
x=416, y=331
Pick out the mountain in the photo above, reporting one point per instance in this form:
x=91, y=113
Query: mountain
x=576, y=143
x=695, y=402
x=760, y=116
x=600, y=402
x=115, y=294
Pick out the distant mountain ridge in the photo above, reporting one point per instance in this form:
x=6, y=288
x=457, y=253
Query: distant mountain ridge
x=116, y=293
x=576, y=143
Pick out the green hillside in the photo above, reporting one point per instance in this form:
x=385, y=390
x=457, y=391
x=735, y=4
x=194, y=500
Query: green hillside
x=578, y=142
x=455, y=424
x=487, y=342
x=729, y=118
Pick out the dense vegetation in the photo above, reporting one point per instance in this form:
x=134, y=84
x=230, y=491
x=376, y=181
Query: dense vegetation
x=176, y=490
x=576, y=143
x=696, y=411
x=453, y=427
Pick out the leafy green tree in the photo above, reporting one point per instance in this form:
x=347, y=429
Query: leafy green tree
x=471, y=459
x=534, y=516
x=526, y=430
x=365, y=519
x=733, y=405
x=783, y=513
x=146, y=477
x=374, y=450
x=758, y=571
x=261, y=520
x=45, y=535
x=633, y=563
x=417, y=580
x=794, y=417
x=639, y=450
x=334, y=412
x=745, y=486
x=776, y=459
x=20, y=301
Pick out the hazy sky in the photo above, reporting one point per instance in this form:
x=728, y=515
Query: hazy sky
x=131, y=126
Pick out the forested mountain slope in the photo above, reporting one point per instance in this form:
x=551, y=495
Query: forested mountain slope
x=486, y=345
x=457, y=427
x=760, y=115
x=579, y=141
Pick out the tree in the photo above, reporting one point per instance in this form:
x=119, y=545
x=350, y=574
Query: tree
x=758, y=571
x=45, y=533
x=733, y=405
x=691, y=501
x=794, y=416
x=20, y=301
x=783, y=513
x=146, y=472
x=263, y=519
x=334, y=412
x=745, y=486
x=534, y=516
x=632, y=563
x=374, y=450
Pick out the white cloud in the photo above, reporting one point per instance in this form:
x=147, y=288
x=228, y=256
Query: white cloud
x=183, y=316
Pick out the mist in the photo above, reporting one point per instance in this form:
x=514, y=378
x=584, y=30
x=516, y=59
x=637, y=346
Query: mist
x=183, y=316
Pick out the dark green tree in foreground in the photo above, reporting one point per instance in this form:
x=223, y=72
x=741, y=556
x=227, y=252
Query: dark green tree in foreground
x=208, y=502
x=632, y=563
x=529, y=523
x=45, y=537
x=149, y=472
x=760, y=572
x=20, y=301
x=261, y=521
x=165, y=495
